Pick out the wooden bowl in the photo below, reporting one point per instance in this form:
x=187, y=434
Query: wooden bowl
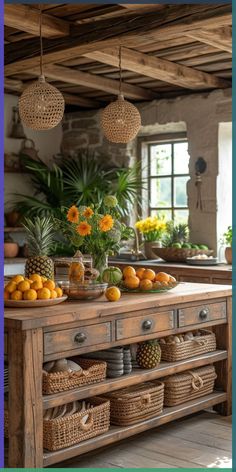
x=173, y=254
x=11, y=249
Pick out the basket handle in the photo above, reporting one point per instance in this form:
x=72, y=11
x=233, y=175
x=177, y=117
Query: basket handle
x=145, y=400
x=197, y=382
x=89, y=423
x=201, y=342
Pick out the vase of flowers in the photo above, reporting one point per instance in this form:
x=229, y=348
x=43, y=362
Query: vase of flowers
x=95, y=233
x=152, y=230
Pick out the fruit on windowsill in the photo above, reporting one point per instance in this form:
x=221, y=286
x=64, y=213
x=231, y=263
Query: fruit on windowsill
x=148, y=354
x=112, y=294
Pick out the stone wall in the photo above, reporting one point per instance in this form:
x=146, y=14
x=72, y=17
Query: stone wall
x=198, y=114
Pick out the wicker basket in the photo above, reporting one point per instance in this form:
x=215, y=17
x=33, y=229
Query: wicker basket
x=198, y=345
x=64, y=432
x=173, y=254
x=133, y=404
x=93, y=371
x=180, y=388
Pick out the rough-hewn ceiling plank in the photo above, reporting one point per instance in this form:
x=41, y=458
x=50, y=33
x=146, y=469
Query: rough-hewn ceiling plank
x=159, y=69
x=220, y=38
x=130, y=32
x=76, y=77
x=26, y=18
x=12, y=85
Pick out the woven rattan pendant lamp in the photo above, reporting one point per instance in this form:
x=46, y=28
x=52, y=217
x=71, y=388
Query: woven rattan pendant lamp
x=120, y=120
x=41, y=106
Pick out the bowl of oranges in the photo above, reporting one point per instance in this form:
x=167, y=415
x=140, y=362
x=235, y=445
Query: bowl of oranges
x=36, y=291
x=146, y=280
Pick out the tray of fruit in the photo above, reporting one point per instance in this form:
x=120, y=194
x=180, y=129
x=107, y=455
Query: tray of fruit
x=146, y=280
x=178, y=253
x=35, y=291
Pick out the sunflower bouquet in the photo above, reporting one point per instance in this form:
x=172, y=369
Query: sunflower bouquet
x=152, y=228
x=95, y=233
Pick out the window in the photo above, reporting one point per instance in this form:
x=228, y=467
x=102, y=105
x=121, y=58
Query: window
x=168, y=173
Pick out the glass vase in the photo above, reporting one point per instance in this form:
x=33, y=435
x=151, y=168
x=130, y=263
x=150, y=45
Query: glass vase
x=100, y=261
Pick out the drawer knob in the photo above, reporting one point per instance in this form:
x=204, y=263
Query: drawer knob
x=203, y=314
x=80, y=338
x=147, y=324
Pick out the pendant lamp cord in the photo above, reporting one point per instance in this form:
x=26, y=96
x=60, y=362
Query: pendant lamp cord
x=41, y=40
x=120, y=72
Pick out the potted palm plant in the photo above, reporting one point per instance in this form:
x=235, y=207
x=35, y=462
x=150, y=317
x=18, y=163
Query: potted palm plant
x=228, y=242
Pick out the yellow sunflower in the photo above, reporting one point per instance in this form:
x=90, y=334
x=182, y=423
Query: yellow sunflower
x=84, y=229
x=73, y=214
x=88, y=212
x=106, y=223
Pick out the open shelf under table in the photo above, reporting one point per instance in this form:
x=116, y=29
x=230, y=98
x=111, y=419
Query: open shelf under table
x=136, y=377
x=117, y=433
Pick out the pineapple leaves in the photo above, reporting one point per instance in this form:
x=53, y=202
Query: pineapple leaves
x=40, y=234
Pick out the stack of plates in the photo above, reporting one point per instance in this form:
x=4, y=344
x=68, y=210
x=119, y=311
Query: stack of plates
x=5, y=378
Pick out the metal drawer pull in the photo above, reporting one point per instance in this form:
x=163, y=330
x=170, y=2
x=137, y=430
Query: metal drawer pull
x=80, y=338
x=147, y=324
x=203, y=314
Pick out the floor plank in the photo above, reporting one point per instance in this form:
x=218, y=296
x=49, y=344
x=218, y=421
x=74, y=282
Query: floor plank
x=202, y=440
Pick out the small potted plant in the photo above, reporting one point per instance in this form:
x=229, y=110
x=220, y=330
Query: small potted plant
x=152, y=230
x=228, y=242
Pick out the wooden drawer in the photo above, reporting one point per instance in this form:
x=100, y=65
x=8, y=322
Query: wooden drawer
x=201, y=314
x=75, y=338
x=143, y=325
x=195, y=279
x=222, y=281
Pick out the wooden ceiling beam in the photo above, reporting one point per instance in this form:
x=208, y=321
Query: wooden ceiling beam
x=26, y=18
x=129, y=31
x=12, y=85
x=159, y=69
x=76, y=77
x=220, y=38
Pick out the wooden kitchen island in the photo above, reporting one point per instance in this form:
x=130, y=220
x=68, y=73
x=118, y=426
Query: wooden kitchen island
x=34, y=336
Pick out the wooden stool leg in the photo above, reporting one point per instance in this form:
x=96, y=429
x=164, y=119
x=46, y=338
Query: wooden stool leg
x=25, y=356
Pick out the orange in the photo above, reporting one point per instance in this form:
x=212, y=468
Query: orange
x=35, y=277
x=50, y=284
x=17, y=278
x=10, y=287
x=23, y=286
x=112, y=294
x=139, y=272
x=59, y=292
x=6, y=295
x=157, y=285
x=129, y=271
x=28, y=280
x=30, y=294
x=146, y=284
x=43, y=293
x=162, y=277
x=149, y=274
x=36, y=285
x=16, y=295
x=44, y=279
x=53, y=294
x=131, y=282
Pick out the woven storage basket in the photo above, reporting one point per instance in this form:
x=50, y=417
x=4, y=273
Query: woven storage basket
x=198, y=345
x=133, y=404
x=173, y=254
x=180, y=388
x=93, y=371
x=64, y=432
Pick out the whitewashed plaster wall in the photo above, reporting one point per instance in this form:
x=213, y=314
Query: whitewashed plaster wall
x=224, y=179
x=46, y=142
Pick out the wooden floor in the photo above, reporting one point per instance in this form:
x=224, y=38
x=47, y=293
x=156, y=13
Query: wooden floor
x=202, y=440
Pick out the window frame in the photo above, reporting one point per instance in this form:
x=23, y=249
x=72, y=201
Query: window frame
x=172, y=176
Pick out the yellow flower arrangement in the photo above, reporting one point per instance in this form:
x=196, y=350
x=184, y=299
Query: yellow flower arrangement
x=152, y=228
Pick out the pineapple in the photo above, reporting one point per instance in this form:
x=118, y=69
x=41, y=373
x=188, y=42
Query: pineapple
x=148, y=354
x=180, y=233
x=39, y=237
